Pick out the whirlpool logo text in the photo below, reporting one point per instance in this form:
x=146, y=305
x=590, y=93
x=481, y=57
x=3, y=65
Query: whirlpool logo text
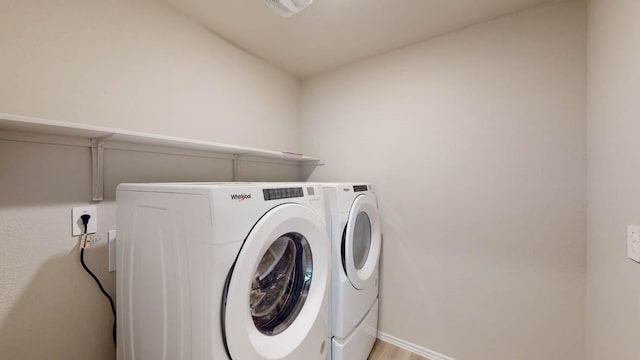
x=240, y=197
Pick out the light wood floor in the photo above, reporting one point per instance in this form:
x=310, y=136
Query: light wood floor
x=385, y=351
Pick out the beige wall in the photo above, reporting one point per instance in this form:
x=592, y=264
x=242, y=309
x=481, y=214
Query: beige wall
x=483, y=200
x=477, y=142
x=613, y=280
x=141, y=66
x=128, y=64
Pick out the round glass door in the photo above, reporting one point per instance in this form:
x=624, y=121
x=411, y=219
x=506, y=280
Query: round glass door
x=362, y=242
x=281, y=283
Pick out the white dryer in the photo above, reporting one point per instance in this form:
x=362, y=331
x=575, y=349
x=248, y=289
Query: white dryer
x=356, y=241
x=222, y=271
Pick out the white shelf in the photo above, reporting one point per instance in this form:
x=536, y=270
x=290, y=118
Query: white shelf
x=17, y=127
x=19, y=123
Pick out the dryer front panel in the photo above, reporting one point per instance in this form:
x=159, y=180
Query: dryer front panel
x=275, y=304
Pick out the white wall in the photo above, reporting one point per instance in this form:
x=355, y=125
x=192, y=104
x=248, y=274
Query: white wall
x=613, y=281
x=476, y=141
x=128, y=64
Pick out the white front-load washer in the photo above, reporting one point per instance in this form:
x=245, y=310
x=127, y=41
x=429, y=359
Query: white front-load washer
x=353, y=223
x=222, y=271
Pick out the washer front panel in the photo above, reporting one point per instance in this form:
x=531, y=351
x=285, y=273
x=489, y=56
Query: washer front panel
x=275, y=300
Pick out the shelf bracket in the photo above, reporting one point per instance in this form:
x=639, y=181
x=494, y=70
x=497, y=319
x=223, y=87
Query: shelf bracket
x=236, y=166
x=97, y=167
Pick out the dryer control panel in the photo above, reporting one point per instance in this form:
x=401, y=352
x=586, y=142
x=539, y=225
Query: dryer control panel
x=360, y=188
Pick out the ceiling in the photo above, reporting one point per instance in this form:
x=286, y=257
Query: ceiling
x=330, y=33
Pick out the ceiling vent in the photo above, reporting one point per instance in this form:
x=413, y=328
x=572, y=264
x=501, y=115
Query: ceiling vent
x=287, y=8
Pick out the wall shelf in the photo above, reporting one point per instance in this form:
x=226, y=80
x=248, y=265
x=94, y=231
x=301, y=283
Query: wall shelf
x=98, y=138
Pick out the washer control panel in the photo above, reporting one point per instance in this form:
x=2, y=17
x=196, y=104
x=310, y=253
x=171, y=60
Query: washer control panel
x=282, y=193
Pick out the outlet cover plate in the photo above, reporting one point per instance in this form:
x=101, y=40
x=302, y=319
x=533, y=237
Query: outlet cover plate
x=77, y=228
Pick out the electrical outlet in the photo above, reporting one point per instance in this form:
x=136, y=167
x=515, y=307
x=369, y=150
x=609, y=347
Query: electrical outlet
x=77, y=228
x=94, y=239
x=633, y=242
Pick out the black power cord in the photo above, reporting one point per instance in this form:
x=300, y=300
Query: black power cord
x=85, y=221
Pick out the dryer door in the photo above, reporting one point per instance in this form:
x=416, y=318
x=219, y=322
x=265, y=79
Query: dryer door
x=275, y=297
x=361, y=242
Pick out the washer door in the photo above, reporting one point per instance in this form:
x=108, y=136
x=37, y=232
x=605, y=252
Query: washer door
x=275, y=298
x=361, y=242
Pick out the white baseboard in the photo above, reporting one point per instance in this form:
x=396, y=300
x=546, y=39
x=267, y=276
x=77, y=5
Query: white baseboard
x=418, y=350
